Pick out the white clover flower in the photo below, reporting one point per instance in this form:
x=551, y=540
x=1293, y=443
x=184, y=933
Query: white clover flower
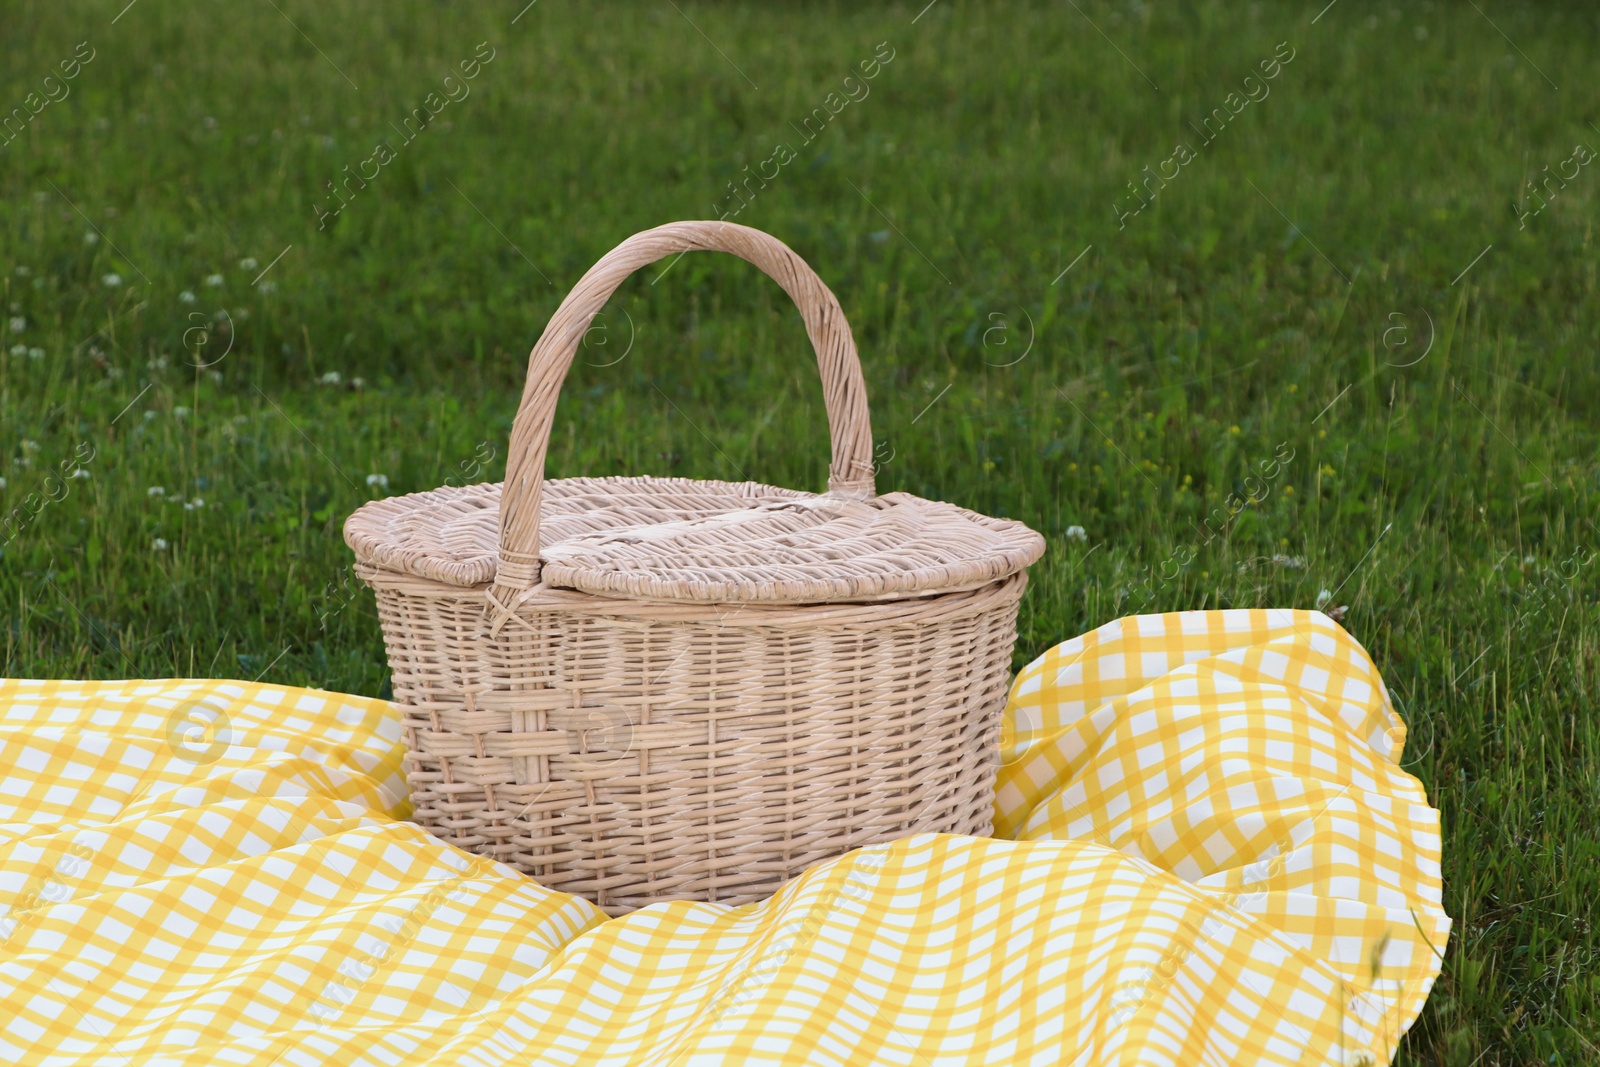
x=91, y=238
x=215, y=376
x=111, y=281
x=2, y=483
x=248, y=263
x=267, y=286
x=193, y=504
x=80, y=472
x=35, y=353
x=18, y=324
x=29, y=446
x=1294, y=563
x=1322, y=599
x=149, y=415
x=379, y=481
x=358, y=384
x=330, y=378
x=1077, y=533
x=213, y=280
x=186, y=297
x=180, y=412
x=159, y=544
x=19, y=350
x=156, y=490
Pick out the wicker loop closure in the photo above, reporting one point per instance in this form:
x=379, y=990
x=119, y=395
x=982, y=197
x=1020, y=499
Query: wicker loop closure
x=850, y=476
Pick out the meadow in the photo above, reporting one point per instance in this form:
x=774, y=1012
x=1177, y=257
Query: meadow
x=1320, y=337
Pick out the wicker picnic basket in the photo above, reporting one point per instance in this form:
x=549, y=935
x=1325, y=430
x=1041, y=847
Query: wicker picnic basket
x=643, y=689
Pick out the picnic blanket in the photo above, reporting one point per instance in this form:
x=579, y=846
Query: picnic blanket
x=1205, y=851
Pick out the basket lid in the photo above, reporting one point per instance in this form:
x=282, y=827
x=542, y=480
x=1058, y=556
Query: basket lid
x=682, y=539
x=452, y=534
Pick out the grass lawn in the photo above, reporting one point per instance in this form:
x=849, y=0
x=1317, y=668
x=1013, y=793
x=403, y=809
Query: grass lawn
x=1100, y=282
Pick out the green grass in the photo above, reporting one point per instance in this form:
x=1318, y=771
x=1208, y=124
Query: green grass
x=1449, y=499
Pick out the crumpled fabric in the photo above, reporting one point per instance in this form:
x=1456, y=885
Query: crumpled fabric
x=1205, y=852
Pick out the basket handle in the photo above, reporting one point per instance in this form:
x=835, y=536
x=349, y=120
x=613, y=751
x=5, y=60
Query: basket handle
x=844, y=390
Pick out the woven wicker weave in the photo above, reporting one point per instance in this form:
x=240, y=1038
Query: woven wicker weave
x=645, y=689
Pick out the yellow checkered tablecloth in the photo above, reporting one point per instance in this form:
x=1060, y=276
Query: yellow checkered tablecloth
x=1208, y=854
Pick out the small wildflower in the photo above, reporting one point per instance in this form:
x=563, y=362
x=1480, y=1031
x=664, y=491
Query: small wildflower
x=1288, y=490
x=1077, y=533
x=330, y=378
x=19, y=350
x=378, y=481
x=215, y=376
x=2, y=483
x=1234, y=430
x=156, y=490
x=240, y=420
x=242, y=314
x=1322, y=599
x=213, y=280
x=91, y=238
x=1527, y=559
x=1327, y=471
x=159, y=544
x=18, y=324
x=112, y=280
x=186, y=297
x=1294, y=563
x=358, y=384
x=29, y=446
x=35, y=353
x=80, y=472
x=23, y=270
x=149, y=415
x=248, y=263
x=267, y=286
x=194, y=504
x=180, y=412
x=1293, y=388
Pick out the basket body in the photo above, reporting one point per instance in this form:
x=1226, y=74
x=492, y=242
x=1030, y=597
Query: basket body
x=633, y=752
